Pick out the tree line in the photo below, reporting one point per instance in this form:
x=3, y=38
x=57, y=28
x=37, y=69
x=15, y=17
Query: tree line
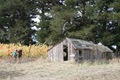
x=94, y=20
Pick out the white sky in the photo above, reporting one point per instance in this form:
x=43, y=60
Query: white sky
x=37, y=19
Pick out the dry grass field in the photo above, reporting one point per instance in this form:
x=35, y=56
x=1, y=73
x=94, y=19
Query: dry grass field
x=6, y=50
x=43, y=70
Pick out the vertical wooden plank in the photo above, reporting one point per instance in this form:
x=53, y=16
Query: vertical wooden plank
x=54, y=51
x=49, y=55
x=89, y=53
x=71, y=49
x=60, y=51
x=57, y=52
x=83, y=54
x=59, y=48
x=68, y=49
x=53, y=54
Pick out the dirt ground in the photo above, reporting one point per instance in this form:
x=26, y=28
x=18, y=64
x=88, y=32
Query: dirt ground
x=44, y=70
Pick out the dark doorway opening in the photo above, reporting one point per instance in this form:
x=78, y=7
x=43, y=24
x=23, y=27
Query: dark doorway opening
x=80, y=53
x=65, y=53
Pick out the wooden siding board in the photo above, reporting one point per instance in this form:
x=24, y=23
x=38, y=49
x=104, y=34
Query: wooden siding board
x=50, y=54
x=56, y=52
x=69, y=51
x=61, y=52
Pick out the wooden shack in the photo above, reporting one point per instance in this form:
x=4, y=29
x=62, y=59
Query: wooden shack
x=78, y=50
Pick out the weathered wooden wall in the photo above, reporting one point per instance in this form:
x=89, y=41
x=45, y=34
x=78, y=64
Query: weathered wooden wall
x=86, y=54
x=71, y=51
x=56, y=53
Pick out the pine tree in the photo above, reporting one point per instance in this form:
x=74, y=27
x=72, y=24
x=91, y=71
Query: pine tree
x=16, y=20
x=83, y=23
x=115, y=25
x=95, y=20
x=43, y=33
x=62, y=16
x=45, y=18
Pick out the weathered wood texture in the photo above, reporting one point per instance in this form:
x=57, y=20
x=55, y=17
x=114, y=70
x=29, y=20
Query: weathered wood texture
x=79, y=50
x=56, y=53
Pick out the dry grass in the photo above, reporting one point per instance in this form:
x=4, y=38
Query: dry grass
x=32, y=69
x=6, y=50
x=44, y=70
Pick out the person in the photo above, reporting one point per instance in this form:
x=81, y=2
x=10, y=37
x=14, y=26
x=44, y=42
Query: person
x=15, y=55
x=19, y=54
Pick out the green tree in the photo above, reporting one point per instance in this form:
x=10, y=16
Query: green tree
x=45, y=18
x=16, y=20
x=83, y=23
x=115, y=24
x=95, y=20
x=43, y=33
x=62, y=16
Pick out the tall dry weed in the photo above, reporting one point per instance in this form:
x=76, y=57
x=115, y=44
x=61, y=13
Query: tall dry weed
x=7, y=50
